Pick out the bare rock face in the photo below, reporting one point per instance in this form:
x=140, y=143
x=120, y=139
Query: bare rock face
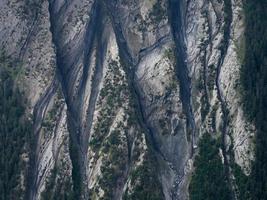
x=120, y=92
x=215, y=59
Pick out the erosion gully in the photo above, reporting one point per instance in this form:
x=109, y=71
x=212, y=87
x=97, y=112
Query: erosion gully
x=68, y=68
x=223, y=52
x=176, y=19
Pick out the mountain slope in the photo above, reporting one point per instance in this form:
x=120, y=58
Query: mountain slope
x=118, y=95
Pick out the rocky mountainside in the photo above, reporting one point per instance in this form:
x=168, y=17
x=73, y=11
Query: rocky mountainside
x=124, y=99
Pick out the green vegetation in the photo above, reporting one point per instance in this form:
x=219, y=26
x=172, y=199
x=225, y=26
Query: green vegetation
x=47, y=193
x=204, y=110
x=58, y=186
x=211, y=78
x=111, y=97
x=157, y=13
x=169, y=54
x=111, y=146
x=146, y=185
x=114, y=165
x=52, y=115
x=32, y=8
x=240, y=48
x=154, y=17
x=254, y=83
x=15, y=133
x=213, y=116
x=242, y=182
x=226, y=26
x=209, y=180
x=164, y=126
x=204, y=102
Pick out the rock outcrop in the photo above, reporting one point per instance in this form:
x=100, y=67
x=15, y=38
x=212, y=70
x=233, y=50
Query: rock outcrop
x=120, y=92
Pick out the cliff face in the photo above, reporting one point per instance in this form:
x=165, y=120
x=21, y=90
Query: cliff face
x=120, y=92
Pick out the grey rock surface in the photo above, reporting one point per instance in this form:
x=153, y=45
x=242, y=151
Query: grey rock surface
x=116, y=87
